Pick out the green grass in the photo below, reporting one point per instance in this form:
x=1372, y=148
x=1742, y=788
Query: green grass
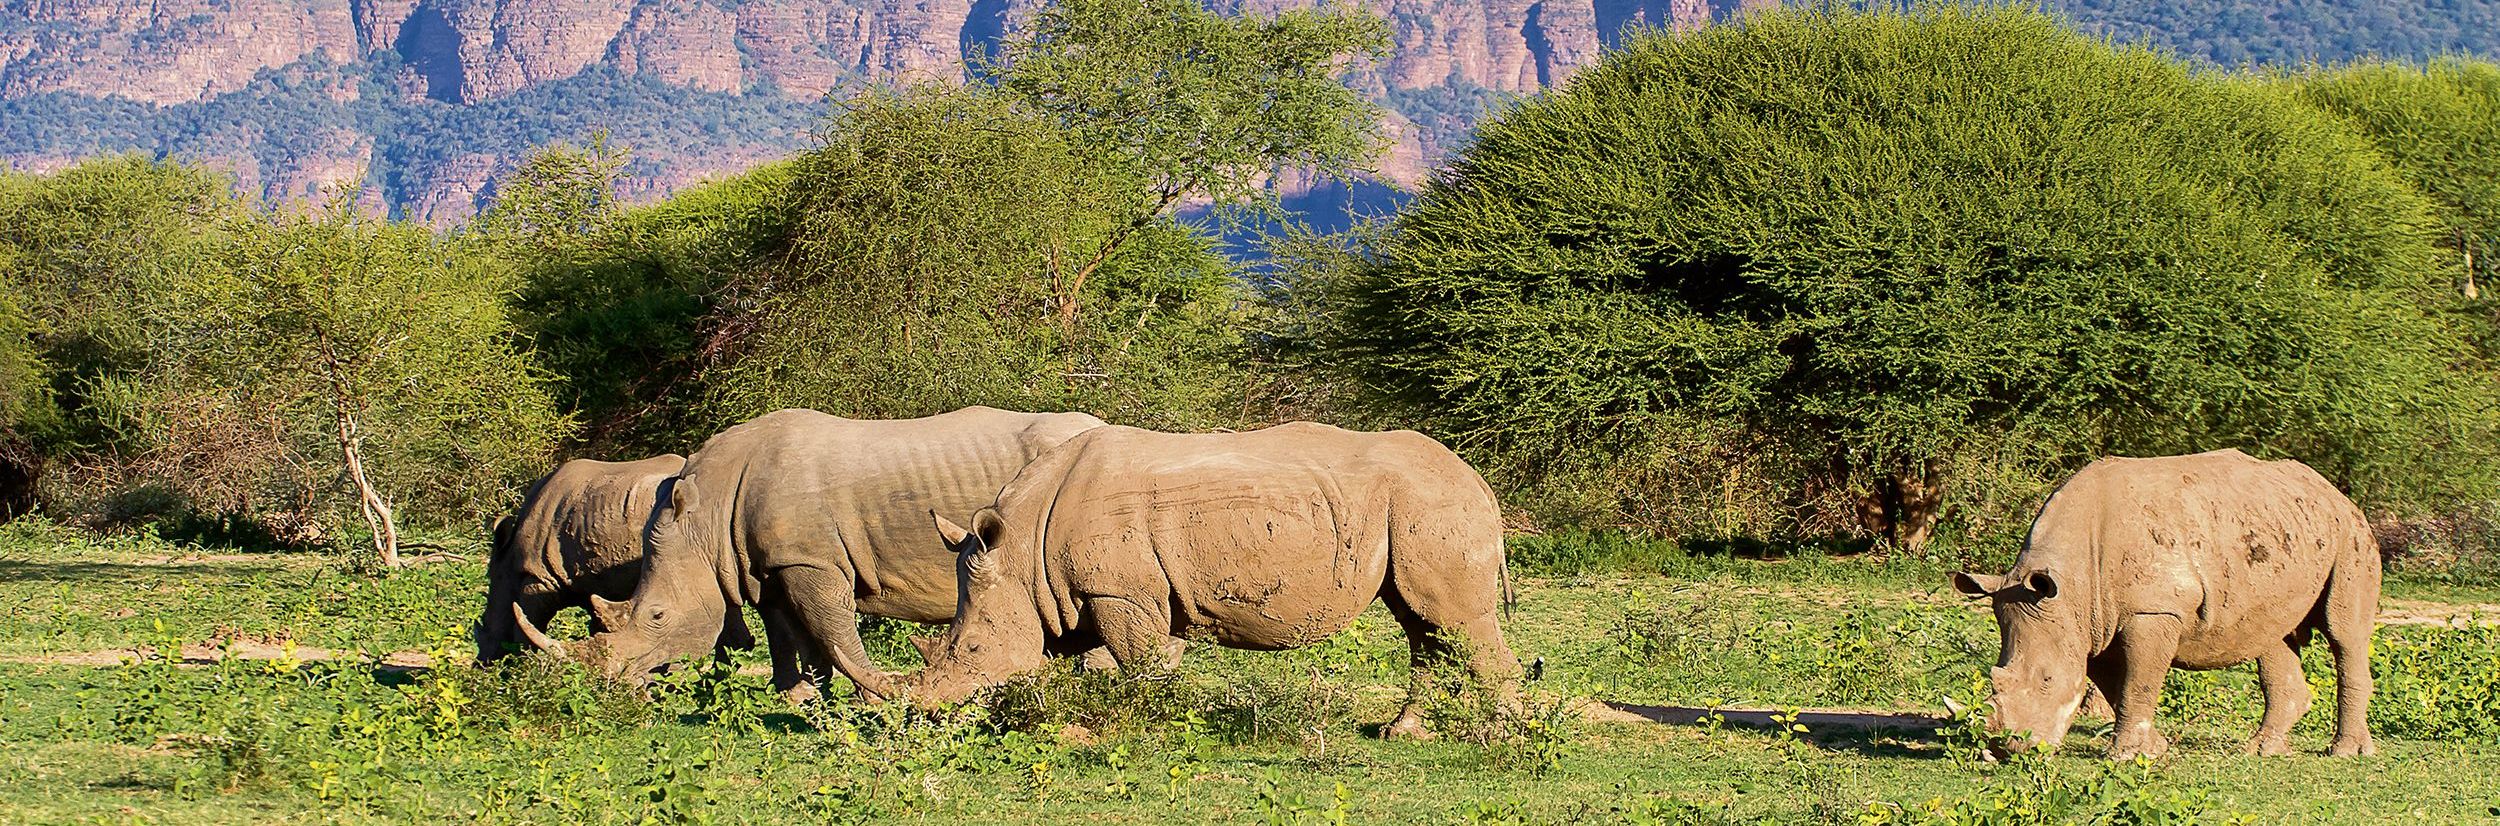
x=1234, y=737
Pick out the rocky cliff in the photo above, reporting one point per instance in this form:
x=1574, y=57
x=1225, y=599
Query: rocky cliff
x=413, y=84
x=157, y=56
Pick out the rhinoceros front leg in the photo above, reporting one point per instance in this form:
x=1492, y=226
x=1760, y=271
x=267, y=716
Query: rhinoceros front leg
x=2287, y=698
x=794, y=672
x=734, y=635
x=828, y=616
x=2147, y=643
x=1138, y=638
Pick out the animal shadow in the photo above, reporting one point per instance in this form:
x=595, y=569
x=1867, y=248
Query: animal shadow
x=1873, y=733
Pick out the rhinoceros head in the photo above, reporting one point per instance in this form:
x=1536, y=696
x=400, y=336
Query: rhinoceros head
x=997, y=632
x=678, y=607
x=2045, y=638
x=520, y=587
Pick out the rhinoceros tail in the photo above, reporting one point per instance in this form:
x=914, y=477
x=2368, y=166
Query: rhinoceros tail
x=1510, y=595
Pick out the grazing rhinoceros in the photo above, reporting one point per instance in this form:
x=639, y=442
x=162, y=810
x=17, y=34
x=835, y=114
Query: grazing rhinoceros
x=817, y=519
x=577, y=534
x=1265, y=540
x=2138, y=566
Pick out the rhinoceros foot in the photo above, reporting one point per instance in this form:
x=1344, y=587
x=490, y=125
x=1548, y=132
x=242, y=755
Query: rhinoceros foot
x=1407, y=726
x=2353, y=746
x=2138, y=741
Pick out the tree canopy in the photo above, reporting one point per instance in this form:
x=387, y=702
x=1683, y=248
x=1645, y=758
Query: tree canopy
x=2439, y=124
x=1897, y=246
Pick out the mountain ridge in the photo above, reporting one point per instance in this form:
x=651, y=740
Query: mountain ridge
x=425, y=102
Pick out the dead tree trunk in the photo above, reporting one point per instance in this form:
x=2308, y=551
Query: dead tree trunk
x=376, y=510
x=1901, y=508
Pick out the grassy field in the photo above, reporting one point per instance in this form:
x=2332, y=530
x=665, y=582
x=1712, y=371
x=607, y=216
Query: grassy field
x=1233, y=737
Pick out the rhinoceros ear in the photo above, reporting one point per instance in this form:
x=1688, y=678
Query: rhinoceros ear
x=1976, y=586
x=987, y=525
x=947, y=530
x=2042, y=583
x=680, y=492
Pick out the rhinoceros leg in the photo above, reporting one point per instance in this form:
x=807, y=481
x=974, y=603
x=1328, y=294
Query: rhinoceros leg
x=1433, y=642
x=829, y=617
x=1139, y=638
x=2287, y=698
x=794, y=672
x=2351, y=616
x=734, y=635
x=2148, y=642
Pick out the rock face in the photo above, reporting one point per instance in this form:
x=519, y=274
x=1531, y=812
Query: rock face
x=468, y=52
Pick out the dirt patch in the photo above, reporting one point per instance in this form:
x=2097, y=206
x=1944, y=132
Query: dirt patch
x=2416, y=612
x=201, y=654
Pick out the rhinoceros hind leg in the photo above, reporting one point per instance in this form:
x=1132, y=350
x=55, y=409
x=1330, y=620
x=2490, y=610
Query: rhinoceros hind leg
x=2287, y=698
x=2351, y=616
x=1433, y=642
x=2148, y=642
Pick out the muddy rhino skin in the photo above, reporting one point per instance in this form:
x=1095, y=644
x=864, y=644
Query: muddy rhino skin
x=816, y=519
x=577, y=534
x=2138, y=566
x=1264, y=540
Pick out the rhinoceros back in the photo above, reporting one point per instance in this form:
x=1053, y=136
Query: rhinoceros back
x=816, y=489
x=583, y=523
x=2239, y=548
x=1267, y=539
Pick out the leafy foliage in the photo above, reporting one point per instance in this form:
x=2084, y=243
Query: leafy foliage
x=918, y=279
x=1899, y=246
x=334, y=333
x=2439, y=124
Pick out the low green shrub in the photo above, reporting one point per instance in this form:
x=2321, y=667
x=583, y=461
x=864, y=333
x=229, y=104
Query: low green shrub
x=2033, y=792
x=2436, y=683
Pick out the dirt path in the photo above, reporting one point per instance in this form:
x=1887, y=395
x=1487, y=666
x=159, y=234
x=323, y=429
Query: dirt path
x=202, y=654
x=2418, y=612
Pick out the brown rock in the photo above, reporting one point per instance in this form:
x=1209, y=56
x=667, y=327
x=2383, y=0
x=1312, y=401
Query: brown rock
x=686, y=42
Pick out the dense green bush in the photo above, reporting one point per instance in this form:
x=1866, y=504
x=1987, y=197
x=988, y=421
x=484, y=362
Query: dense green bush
x=2439, y=124
x=351, y=364
x=920, y=278
x=200, y=356
x=613, y=299
x=1871, y=257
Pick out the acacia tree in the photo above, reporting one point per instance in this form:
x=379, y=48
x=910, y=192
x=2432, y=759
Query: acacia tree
x=2440, y=125
x=1188, y=104
x=379, y=355
x=1903, y=245
x=1014, y=241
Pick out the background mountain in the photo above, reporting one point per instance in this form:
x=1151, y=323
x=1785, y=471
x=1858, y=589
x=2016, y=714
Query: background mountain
x=426, y=102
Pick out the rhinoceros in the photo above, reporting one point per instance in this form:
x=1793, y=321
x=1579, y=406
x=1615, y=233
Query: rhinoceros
x=576, y=535
x=2138, y=566
x=816, y=519
x=1264, y=540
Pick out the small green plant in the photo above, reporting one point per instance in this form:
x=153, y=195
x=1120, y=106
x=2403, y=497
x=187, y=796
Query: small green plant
x=2031, y=791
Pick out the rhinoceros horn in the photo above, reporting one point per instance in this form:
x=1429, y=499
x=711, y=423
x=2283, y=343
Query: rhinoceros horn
x=537, y=637
x=1954, y=707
